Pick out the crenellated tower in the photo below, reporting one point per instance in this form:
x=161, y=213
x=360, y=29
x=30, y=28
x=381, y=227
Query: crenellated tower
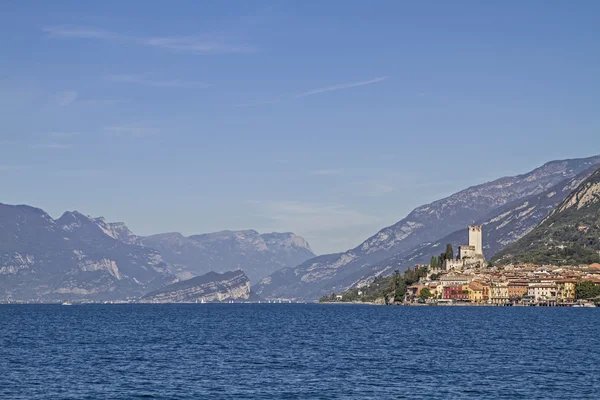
x=475, y=239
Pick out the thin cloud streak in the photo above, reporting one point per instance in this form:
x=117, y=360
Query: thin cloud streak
x=11, y=168
x=197, y=45
x=312, y=217
x=63, y=134
x=184, y=44
x=327, y=172
x=135, y=130
x=342, y=86
x=313, y=92
x=81, y=33
x=105, y=102
x=141, y=80
x=57, y=146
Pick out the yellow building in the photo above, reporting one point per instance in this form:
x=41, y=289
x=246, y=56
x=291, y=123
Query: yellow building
x=565, y=290
x=476, y=292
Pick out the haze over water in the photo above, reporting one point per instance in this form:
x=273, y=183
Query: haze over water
x=293, y=351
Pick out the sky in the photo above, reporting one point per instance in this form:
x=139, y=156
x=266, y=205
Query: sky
x=330, y=119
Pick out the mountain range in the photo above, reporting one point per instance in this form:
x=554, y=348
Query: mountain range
x=505, y=225
x=570, y=235
x=80, y=257
x=71, y=258
x=258, y=255
x=422, y=227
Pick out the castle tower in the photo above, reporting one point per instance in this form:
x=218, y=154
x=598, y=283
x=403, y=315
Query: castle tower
x=475, y=239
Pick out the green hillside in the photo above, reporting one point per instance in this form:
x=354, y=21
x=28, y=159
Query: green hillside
x=570, y=235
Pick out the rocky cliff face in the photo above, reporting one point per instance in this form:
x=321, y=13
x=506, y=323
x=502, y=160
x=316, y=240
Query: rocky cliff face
x=257, y=255
x=211, y=287
x=426, y=224
x=71, y=258
x=117, y=230
x=569, y=235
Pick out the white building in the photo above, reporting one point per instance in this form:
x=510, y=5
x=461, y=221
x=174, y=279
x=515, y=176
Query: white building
x=455, y=279
x=470, y=255
x=542, y=291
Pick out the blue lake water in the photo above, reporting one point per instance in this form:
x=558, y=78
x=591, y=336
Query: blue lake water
x=294, y=351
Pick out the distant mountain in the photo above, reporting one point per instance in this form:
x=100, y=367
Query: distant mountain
x=505, y=225
x=71, y=258
x=324, y=274
x=570, y=235
x=232, y=285
x=257, y=255
x=117, y=230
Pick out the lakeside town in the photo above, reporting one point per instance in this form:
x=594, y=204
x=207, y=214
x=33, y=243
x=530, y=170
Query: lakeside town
x=468, y=279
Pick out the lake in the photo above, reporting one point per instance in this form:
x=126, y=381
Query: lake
x=298, y=351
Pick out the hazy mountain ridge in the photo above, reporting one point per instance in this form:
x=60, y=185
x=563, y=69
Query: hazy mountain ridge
x=257, y=255
x=569, y=235
x=211, y=287
x=506, y=225
x=77, y=256
x=425, y=224
x=70, y=258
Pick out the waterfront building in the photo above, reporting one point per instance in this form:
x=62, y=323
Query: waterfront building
x=542, y=291
x=499, y=293
x=478, y=293
x=517, y=289
x=456, y=292
x=565, y=290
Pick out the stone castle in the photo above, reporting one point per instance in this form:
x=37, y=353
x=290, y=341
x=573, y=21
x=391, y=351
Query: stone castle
x=470, y=255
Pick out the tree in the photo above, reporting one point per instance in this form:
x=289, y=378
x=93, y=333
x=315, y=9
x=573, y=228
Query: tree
x=435, y=277
x=434, y=263
x=425, y=293
x=586, y=290
x=449, y=252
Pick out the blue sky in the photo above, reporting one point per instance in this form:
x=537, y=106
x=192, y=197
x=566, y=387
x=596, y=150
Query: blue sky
x=330, y=119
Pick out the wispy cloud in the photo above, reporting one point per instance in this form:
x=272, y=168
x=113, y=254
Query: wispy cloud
x=312, y=217
x=342, y=86
x=313, y=92
x=78, y=173
x=142, y=80
x=133, y=129
x=326, y=172
x=12, y=168
x=105, y=102
x=81, y=33
x=201, y=44
x=373, y=189
x=53, y=146
x=197, y=45
x=63, y=134
x=329, y=227
x=66, y=98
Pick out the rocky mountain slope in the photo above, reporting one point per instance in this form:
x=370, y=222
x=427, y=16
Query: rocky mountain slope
x=425, y=224
x=71, y=258
x=504, y=226
x=570, y=235
x=257, y=255
x=211, y=287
